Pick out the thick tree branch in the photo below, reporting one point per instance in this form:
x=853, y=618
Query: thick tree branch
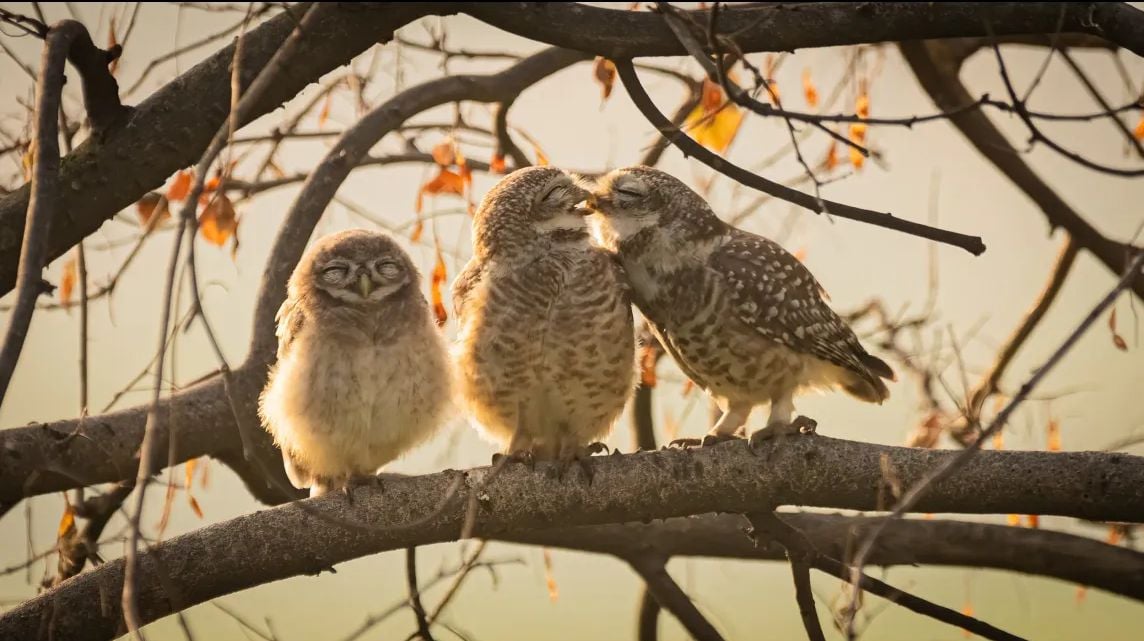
x=618, y=34
x=690, y=147
x=936, y=66
x=1066, y=557
x=170, y=129
x=263, y=547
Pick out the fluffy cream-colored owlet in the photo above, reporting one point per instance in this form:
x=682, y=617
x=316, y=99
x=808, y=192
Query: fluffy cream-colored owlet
x=546, y=353
x=363, y=372
x=743, y=318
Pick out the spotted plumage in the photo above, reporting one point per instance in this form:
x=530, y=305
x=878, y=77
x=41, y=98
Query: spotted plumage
x=743, y=318
x=363, y=373
x=546, y=353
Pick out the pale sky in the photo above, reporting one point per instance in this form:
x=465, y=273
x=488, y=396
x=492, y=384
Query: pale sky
x=979, y=299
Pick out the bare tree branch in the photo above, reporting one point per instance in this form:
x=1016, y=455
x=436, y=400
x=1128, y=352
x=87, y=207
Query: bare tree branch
x=261, y=547
x=991, y=381
x=44, y=201
x=936, y=65
x=173, y=126
x=952, y=465
x=690, y=147
x=618, y=34
x=672, y=598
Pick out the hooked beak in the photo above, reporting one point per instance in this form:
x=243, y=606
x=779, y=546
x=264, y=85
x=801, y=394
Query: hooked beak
x=364, y=285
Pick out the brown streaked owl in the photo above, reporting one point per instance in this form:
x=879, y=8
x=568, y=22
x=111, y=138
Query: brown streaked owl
x=743, y=318
x=546, y=352
x=363, y=374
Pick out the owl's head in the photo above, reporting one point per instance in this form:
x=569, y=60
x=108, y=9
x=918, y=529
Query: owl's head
x=633, y=199
x=357, y=266
x=529, y=210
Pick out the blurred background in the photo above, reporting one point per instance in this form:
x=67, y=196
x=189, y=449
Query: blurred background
x=928, y=173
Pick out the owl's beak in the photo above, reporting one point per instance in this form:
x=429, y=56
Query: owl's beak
x=584, y=207
x=364, y=285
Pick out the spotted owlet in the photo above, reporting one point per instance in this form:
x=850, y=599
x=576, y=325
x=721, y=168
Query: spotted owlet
x=363, y=372
x=743, y=318
x=546, y=354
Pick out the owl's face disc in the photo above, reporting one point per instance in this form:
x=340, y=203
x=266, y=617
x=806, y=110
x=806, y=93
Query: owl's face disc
x=531, y=208
x=360, y=267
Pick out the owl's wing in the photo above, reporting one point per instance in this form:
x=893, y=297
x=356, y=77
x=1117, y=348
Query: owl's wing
x=290, y=319
x=777, y=296
x=464, y=285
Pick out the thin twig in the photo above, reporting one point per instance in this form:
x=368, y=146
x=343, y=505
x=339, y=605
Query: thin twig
x=1100, y=100
x=415, y=594
x=1036, y=135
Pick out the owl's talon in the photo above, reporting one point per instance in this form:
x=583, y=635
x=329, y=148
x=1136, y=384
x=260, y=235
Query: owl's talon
x=684, y=443
x=716, y=439
x=800, y=425
x=596, y=448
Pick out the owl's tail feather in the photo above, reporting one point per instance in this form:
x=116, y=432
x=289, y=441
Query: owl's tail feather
x=878, y=367
x=866, y=388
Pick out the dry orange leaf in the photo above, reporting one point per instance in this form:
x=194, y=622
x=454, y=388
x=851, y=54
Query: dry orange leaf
x=647, y=366
x=714, y=121
x=928, y=516
x=831, y=160
x=437, y=282
x=1117, y=339
x=67, y=521
x=541, y=158
x=148, y=204
x=809, y=91
x=195, y=506
x=967, y=610
x=1139, y=130
x=180, y=186
x=711, y=98
x=443, y=152
x=1054, y=435
x=189, y=471
x=445, y=182
x=67, y=281
x=418, y=229
x=549, y=577
x=218, y=222
x=324, y=115
x=604, y=71
x=688, y=387
x=1081, y=593
x=858, y=137
x=1013, y=519
x=800, y=254
x=166, y=516
x=496, y=165
x=112, y=42
x=1114, y=535
x=1033, y=521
